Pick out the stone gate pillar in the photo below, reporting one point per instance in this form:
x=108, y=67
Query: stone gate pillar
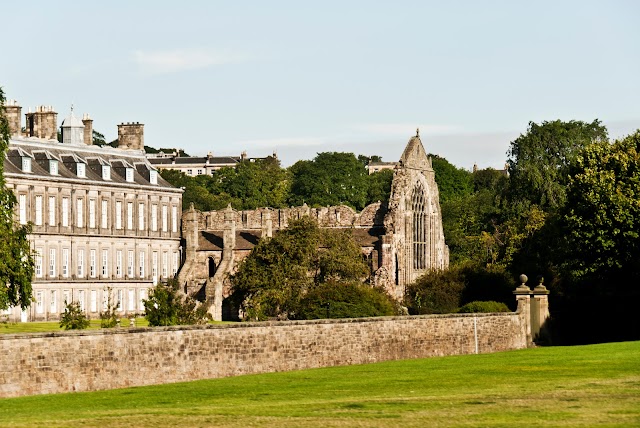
x=539, y=309
x=523, y=298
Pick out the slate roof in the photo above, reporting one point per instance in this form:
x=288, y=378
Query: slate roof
x=93, y=156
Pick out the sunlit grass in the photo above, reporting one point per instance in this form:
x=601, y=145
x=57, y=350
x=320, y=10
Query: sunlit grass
x=597, y=385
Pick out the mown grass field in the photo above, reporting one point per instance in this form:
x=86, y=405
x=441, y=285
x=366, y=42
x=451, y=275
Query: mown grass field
x=45, y=326
x=596, y=385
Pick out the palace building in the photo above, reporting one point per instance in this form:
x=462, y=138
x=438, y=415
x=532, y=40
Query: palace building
x=103, y=219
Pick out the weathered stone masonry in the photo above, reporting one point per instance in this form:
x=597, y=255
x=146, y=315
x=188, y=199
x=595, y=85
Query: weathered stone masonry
x=104, y=359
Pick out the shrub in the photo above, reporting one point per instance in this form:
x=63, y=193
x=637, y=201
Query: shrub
x=167, y=306
x=436, y=292
x=345, y=300
x=109, y=318
x=73, y=317
x=486, y=307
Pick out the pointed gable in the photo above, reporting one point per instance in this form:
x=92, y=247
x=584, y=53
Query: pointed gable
x=414, y=155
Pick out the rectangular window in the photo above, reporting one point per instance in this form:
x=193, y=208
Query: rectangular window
x=92, y=263
x=92, y=213
x=66, y=297
x=174, y=219
x=140, y=216
x=53, y=167
x=175, y=263
x=141, y=264
x=52, y=210
x=52, y=262
x=131, y=301
x=38, y=210
x=94, y=301
x=22, y=204
x=105, y=263
x=118, y=215
x=130, y=263
x=189, y=172
x=38, y=263
x=80, y=212
x=65, y=212
x=106, y=172
x=199, y=172
x=165, y=220
x=80, y=263
x=65, y=262
x=104, y=214
x=119, y=263
x=143, y=297
x=154, y=267
x=105, y=299
x=153, y=176
x=165, y=264
x=39, y=302
x=129, y=215
x=154, y=218
x=53, y=302
x=81, y=299
x=80, y=170
x=120, y=299
x=129, y=175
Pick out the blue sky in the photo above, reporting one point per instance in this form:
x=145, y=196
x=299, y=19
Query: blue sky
x=305, y=77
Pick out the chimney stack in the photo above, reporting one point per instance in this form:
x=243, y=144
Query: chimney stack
x=43, y=123
x=131, y=136
x=14, y=115
x=88, y=129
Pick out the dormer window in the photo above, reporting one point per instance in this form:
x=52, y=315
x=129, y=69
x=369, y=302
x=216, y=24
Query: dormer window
x=106, y=172
x=129, y=174
x=53, y=167
x=153, y=176
x=80, y=170
x=26, y=164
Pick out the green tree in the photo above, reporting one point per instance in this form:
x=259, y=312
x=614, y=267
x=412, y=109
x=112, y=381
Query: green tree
x=16, y=262
x=98, y=139
x=109, y=317
x=602, y=216
x=538, y=161
x=280, y=271
x=331, y=178
x=452, y=182
x=73, y=318
x=166, y=305
x=379, y=186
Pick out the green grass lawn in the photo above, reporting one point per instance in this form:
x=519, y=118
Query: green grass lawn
x=46, y=326
x=596, y=385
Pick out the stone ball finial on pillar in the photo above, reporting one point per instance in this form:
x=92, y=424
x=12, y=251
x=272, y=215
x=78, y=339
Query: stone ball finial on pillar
x=540, y=288
x=522, y=288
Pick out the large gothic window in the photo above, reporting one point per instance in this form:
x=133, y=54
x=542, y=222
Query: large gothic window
x=419, y=208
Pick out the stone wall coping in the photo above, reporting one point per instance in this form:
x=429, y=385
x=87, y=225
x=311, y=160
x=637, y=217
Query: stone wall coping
x=243, y=325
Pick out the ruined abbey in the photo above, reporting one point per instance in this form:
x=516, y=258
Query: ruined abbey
x=401, y=240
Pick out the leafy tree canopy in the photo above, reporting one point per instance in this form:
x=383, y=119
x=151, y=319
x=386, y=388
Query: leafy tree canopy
x=279, y=271
x=538, y=161
x=16, y=260
x=452, y=182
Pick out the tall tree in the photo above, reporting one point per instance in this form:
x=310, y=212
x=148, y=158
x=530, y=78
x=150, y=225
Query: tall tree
x=452, y=182
x=16, y=260
x=331, y=178
x=602, y=217
x=539, y=161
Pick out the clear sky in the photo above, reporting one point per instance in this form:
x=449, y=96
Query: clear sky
x=302, y=77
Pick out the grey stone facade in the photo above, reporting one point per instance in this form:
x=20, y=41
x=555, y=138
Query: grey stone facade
x=400, y=241
x=102, y=219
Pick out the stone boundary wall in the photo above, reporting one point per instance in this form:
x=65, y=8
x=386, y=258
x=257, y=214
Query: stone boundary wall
x=44, y=363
